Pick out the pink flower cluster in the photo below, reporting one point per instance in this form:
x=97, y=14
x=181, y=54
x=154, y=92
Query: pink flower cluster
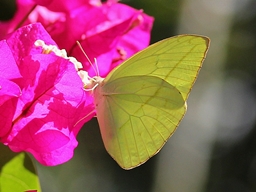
x=42, y=98
x=42, y=101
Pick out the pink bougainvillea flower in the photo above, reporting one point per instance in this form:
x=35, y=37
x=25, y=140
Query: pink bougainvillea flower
x=52, y=105
x=110, y=32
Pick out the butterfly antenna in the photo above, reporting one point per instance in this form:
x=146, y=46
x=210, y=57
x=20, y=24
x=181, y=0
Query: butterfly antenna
x=80, y=46
x=97, y=67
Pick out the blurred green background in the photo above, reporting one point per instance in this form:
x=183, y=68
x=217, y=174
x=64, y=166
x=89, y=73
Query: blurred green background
x=214, y=148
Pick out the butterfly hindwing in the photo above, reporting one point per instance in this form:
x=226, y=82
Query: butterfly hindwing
x=136, y=116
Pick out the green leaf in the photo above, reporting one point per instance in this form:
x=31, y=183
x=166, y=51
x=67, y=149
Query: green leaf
x=17, y=172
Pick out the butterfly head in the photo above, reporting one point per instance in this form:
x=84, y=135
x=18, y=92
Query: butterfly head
x=93, y=83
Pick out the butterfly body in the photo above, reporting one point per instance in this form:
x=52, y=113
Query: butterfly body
x=141, y=102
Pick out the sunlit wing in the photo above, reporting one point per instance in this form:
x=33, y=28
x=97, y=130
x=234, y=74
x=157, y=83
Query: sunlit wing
x=177, y=60
x=141, y=102
x=136, y=116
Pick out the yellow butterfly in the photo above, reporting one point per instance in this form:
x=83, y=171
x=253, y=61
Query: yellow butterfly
x=142, y=101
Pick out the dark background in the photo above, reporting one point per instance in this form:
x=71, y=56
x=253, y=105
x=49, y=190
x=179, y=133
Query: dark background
x=214, y=148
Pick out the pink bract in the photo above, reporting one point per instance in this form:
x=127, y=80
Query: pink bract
x=50, y=110
x=9, y=90
x=110, y=33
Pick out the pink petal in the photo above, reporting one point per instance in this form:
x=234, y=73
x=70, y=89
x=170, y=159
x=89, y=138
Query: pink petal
x=114, y=25
x=54, y=102
x=8, y=66
x=135, y=39
x=8, y=89
x=9, y=93
x=26, y=37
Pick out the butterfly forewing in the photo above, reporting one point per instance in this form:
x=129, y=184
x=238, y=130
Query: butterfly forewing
x=177, y=60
